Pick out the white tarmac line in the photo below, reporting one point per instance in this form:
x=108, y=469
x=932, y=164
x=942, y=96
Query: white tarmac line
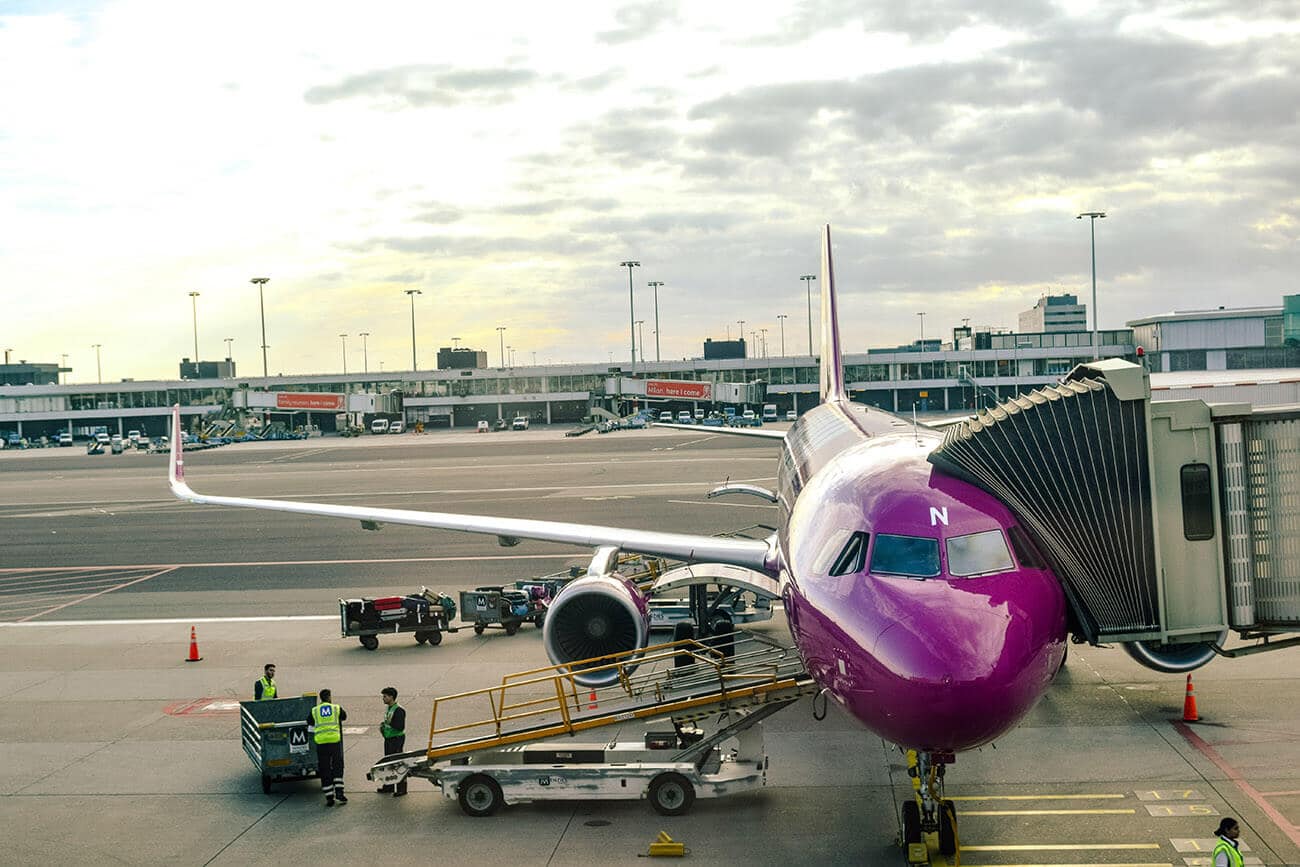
x=81, y=599
x=175, y=620
x=493, y=557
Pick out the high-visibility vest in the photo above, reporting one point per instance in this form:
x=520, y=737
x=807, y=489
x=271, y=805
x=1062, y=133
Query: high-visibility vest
x=1234, y=854
x=325, y=719
x=268, y=688
x=385, y=728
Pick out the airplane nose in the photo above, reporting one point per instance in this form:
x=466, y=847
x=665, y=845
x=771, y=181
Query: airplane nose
x=959, y=672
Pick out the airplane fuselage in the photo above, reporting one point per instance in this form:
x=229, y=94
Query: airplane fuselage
x=914, y=598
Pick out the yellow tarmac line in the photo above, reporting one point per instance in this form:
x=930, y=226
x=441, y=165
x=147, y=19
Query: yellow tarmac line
x=1035, y=797
x=1060, y=847
x=1128, y=812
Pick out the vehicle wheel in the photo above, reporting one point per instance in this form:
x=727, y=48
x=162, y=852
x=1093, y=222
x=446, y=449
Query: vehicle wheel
x=370, y=642
x=683, y=631
x=724, y=641
x=435, y=638
x=421, y=637
x=266, y=784
x=539, y=621
x=512, y=626
x=671, y=794
x=478, y=628
x=911, y=822
x=947, y=828
x=479, y=795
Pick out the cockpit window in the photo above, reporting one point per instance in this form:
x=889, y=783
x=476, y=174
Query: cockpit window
x=978, y=554
x=852, y=557
x=913, y=556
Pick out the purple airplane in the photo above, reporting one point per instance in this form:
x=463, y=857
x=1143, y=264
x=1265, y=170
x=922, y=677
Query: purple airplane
x=915, y=599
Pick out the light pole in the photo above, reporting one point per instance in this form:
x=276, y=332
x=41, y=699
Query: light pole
x=781, y=318
x=640, y=336
x=741, y=323
x=655, y=284
x=412, y=293
x=229, y=340
x=1092, y=231
x=99, y=371
x=511, y=350
x=455, y=343
x=922, y=316
x=194, y=307
x=63, y=363
x=344, y=338
x=501, y=338
x=807, y=282
x=629, y=264
x=365, y=353
x=261, y=305
x=763, y=331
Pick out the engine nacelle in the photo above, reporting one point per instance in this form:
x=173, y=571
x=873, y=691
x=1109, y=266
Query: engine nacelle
x=594, y=616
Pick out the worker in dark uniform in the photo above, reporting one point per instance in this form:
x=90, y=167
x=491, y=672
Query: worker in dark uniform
x=326, y=724
x=264, y=686
x=393, y=728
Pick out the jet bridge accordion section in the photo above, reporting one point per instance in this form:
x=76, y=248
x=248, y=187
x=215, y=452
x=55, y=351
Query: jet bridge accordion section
x=1260, y=470
x=1077, y=463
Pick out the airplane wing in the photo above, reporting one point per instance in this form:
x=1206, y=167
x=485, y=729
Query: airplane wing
x=748, y=553
x=726, y=431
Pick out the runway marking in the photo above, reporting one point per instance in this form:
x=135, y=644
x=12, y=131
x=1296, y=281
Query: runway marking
x=1035, y=797
x=1095, y=812
x=493, y=557
x=1281, y=794
x=173, y=620
x=1059, y=847
x=293, y=456
x=93, y=595
x=1275, y=816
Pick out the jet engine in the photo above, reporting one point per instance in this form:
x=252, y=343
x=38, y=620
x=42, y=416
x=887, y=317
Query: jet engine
x=594, y=616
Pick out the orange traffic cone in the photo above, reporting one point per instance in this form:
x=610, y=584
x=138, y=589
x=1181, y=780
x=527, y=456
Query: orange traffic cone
x=1189, y=703
x=194, y=647
x=591, y=701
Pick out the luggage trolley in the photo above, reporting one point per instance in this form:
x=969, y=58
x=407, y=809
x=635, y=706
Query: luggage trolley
x=274, y=735
x=502, y=608
x=427, y=614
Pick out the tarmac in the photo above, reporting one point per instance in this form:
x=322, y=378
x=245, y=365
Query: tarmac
x=115, y=750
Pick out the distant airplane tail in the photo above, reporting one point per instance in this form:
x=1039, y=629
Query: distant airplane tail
x=832, y=367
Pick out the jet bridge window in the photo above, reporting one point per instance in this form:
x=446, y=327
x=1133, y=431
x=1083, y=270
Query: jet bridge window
x=1198, y=503
x=912, y=556
x=852, y=557
x=978, y=554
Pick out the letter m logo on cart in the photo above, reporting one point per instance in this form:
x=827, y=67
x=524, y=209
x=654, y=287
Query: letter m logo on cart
x=298, y=740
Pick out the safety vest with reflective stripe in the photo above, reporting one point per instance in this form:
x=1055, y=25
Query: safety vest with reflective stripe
x=325, y=719
x=268, y=688
x=386, y=729
x=1234, y=854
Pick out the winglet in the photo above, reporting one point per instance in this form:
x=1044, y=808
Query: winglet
x=832, y=370
x=176, y=466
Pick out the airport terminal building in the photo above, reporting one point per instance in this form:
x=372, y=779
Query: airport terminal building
x=970, y=371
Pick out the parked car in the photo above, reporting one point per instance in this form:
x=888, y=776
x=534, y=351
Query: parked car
x=132, y=436
x=791, y=415
x=501, y=424
x=102, y=439
x=520, y=423
x=685, y=417
x=397, y=426
x=379, y=426
x=65, y=439
x=484, y=427
x=666, y=416
x=636, y=422
x=699, y=416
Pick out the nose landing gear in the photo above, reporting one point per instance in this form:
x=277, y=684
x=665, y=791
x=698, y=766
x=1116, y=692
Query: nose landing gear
x=928, y=812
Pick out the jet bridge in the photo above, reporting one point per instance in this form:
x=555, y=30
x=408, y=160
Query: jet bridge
x=1168, y=523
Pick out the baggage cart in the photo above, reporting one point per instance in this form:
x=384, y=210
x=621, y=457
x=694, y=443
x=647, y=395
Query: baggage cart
x=274, y=735
x=501, y=608
x=425, y=613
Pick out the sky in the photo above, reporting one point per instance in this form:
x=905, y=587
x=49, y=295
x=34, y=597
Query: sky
x=504, y=157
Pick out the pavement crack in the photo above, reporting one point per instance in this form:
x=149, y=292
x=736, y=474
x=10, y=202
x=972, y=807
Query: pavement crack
x=564, y=831
x=269, y=811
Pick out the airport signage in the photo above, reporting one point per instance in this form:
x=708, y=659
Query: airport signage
x=671, y=388
x=305, y=400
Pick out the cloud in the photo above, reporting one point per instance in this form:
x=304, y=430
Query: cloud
x=639, y=21
x=421, y=86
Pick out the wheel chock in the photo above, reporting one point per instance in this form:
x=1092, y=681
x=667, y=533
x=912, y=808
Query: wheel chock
x=667, y=847
x=918, y=853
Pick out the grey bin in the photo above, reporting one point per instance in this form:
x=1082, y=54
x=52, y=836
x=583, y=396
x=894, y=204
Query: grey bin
x=275, y=737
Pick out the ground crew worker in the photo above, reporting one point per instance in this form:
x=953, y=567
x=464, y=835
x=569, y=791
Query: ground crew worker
x=393, y=728
x=1226, y=851
x=326, y=722
x=264, y=686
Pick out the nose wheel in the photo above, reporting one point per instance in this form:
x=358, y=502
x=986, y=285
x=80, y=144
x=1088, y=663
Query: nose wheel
x=928, y=812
